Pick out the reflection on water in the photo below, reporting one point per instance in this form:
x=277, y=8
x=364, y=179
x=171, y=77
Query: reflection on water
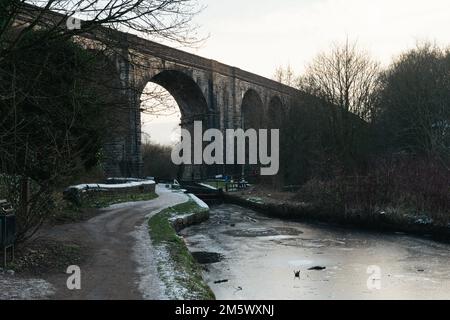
x=259, y=256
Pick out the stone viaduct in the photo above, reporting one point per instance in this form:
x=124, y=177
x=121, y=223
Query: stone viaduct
x=222, y=96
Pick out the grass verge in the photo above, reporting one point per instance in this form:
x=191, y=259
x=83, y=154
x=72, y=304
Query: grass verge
x=45, y=255
x=180, y=273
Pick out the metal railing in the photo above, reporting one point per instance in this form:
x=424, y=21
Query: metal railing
x=236, y=186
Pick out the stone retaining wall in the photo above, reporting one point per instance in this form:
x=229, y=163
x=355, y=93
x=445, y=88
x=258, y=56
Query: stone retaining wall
x=181, y=222
x=79, y=193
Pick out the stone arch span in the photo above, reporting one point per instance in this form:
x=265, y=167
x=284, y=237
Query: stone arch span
x=193, y=107
x=275, y=113
x=252, y=110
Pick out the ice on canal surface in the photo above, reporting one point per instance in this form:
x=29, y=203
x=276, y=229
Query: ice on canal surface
x=259, y=256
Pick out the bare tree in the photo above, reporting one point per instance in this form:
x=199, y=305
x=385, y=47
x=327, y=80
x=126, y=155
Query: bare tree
x=50, y=105
x=345, y=77
x=157, y=101
x=285, y=75
x=165, y=20
x=157, y=19
x=53, y=120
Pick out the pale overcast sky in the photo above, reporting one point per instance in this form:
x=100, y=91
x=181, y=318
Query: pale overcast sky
x=259, y=35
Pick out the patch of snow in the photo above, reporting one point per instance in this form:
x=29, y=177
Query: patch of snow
x=199, y=202
x=112, y=186
x=127, y=179
x=280, y=237
x=207, y=186
x=149, y=284
x=14, y=288
x=255, y=200
x=149, y=257
x=124, y=205
x=169, y=274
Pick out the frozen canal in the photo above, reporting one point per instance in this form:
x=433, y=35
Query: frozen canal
x=259, y=256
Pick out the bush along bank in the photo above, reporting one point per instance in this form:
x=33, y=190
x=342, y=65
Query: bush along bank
x=178, y=270
x=387, y=220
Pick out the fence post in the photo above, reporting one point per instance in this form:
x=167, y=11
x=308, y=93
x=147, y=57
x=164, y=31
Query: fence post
x=7, y=230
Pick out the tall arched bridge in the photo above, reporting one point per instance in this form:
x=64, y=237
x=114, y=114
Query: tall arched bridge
x=222, y=96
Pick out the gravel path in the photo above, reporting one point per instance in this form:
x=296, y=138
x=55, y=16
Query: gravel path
x=120, y=263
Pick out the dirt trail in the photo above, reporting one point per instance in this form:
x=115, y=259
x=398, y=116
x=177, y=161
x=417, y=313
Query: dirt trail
x=118, y=266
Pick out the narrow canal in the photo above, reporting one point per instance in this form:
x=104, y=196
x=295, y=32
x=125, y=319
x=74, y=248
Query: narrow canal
x=246, y=255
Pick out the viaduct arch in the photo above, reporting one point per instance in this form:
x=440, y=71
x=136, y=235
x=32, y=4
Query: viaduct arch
x=219, y=95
